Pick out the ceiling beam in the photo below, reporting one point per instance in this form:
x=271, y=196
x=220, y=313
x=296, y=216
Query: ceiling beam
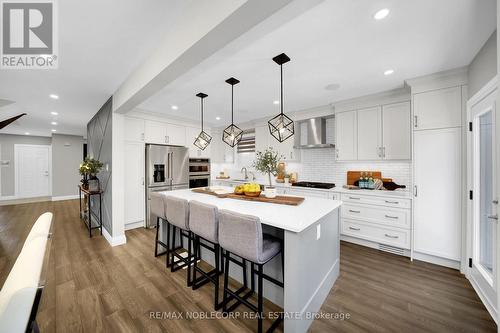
x=210, y=27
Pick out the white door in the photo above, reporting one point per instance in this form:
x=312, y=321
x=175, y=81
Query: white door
x=438, y=109
x=346, y=136
x=33, y=171
x=484, y=215
x=134, y=183
x=370, y=134
x=396, y=131
x=438, y=192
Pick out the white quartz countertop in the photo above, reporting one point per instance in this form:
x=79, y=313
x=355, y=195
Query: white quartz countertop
x=381, y=193
x=290, y=218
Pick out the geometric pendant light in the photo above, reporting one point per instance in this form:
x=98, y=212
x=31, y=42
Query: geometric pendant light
x=232, y=134
x=203, y=139
x=281, y=127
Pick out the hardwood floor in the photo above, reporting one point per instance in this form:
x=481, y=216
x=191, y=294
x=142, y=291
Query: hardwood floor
x=93, y=287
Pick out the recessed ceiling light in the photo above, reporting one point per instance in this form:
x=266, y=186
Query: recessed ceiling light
x=388, y=72
x=54, y=130
x=381, y=14
x=175, y=107
x=53, y=123
x=276, y=102
x=54, y=113
x=54, y=96
x=27, y=133
x=333, y=86
x=217, y=118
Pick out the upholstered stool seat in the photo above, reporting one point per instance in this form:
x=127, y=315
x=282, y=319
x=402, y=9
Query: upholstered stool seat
x=242, y=235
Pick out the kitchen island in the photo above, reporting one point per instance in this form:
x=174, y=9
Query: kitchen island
x=311, y=237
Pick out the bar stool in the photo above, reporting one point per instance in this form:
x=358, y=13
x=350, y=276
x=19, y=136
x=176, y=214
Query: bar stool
x=157, y=206
x=242, y=235
x=177, y=213
x=204, y=224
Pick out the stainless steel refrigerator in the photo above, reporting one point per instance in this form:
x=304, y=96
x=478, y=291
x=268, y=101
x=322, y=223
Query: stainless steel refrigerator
x=167, y=169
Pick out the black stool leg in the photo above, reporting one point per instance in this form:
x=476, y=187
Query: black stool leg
x=217, y=268
x=226, y=278
x=252, y=277
x=245, y=280
x=260, y=306
x=168, y=244
x=190, y=236
x=172, y=258
x=156, y=238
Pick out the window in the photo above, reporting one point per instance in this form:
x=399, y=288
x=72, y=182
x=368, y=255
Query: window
x=247, y=143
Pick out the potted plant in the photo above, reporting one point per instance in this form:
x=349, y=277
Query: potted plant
x=267, y=163
x=89, y=169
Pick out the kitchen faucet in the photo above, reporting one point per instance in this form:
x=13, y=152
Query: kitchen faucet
x=246, y=172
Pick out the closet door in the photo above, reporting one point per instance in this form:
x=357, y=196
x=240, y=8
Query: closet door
x=370, y=134
x=438, y=190
x=396, y=131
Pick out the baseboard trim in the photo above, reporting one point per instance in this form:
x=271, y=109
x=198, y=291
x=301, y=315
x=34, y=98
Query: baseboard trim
x=134, y=225
x=436, y=260
x=114, y=241
x=14, y=200
x=367, y=243
x=65, y=197
x=484, y=299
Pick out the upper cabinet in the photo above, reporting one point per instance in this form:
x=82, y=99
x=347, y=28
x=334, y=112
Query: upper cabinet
x=437, y=108
x=346, y=136
x=220, y=152
x=370, y=134
x=396, y=131
x=134, y=129
x=375, y=133
x=162, y=133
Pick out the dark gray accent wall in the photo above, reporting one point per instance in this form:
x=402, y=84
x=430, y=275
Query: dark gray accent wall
x=99, y=140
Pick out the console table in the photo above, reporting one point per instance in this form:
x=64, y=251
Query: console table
x=95, y=223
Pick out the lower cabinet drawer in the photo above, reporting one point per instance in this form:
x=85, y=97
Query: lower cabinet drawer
x=388, y=216
x=385, y=235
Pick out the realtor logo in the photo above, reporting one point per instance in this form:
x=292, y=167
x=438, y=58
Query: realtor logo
x=28, y=34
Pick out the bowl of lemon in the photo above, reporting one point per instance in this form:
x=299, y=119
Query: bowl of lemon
x=251, y=189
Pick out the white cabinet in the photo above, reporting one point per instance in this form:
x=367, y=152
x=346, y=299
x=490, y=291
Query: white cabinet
x=437, y=108
x=155, y=132
x=261, y=138
x=346, y=136
x=437, y=202
x=220, y=152
x=134, y=129
x=191, y=135
x=165, y=134
x=370, y=134
x=306, y=193
x=176, y=135
x=134, y=183
x=396, y=131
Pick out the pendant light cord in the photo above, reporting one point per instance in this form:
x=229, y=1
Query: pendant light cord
x=202, y=114
x=281, y=102
x=232, y=104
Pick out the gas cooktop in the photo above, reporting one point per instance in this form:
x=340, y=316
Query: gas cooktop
x=314, y=185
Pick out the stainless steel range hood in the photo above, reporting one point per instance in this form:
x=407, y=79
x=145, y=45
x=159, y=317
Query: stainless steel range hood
x=311, y=133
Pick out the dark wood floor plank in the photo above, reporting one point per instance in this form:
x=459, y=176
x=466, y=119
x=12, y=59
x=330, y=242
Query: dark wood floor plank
x=92, y=287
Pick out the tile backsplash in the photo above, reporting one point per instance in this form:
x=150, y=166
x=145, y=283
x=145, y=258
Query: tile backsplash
x=320, y=165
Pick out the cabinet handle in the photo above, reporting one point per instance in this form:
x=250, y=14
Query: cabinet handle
x=383, y=152
x=415, y=191
x=291, y=155
x=336, y=153
x=391, y=236
x=379, y=151
x=392, y=202
x=352, y=228
x=415, y=123
x=495, y=201
x=354, y=198
x=142, y=136
x=392, y=217
x=354, y=211
x=493, y=217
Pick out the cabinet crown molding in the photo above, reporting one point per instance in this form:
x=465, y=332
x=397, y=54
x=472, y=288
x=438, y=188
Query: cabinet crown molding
x=445, y=79
x=382, y=98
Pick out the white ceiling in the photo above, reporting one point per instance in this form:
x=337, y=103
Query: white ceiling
x=336, y=42
x=100, y=43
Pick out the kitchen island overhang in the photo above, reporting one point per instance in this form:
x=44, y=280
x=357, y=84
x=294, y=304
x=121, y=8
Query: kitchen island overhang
x=311, y=234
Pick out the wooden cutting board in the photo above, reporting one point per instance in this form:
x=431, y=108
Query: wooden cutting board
x=279, y=199
x=352, y=176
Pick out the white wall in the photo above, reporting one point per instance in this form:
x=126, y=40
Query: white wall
x=484, y=65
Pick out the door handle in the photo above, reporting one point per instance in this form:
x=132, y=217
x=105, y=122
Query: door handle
x=493, y=217
x=495, y=201
x=415, y=123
